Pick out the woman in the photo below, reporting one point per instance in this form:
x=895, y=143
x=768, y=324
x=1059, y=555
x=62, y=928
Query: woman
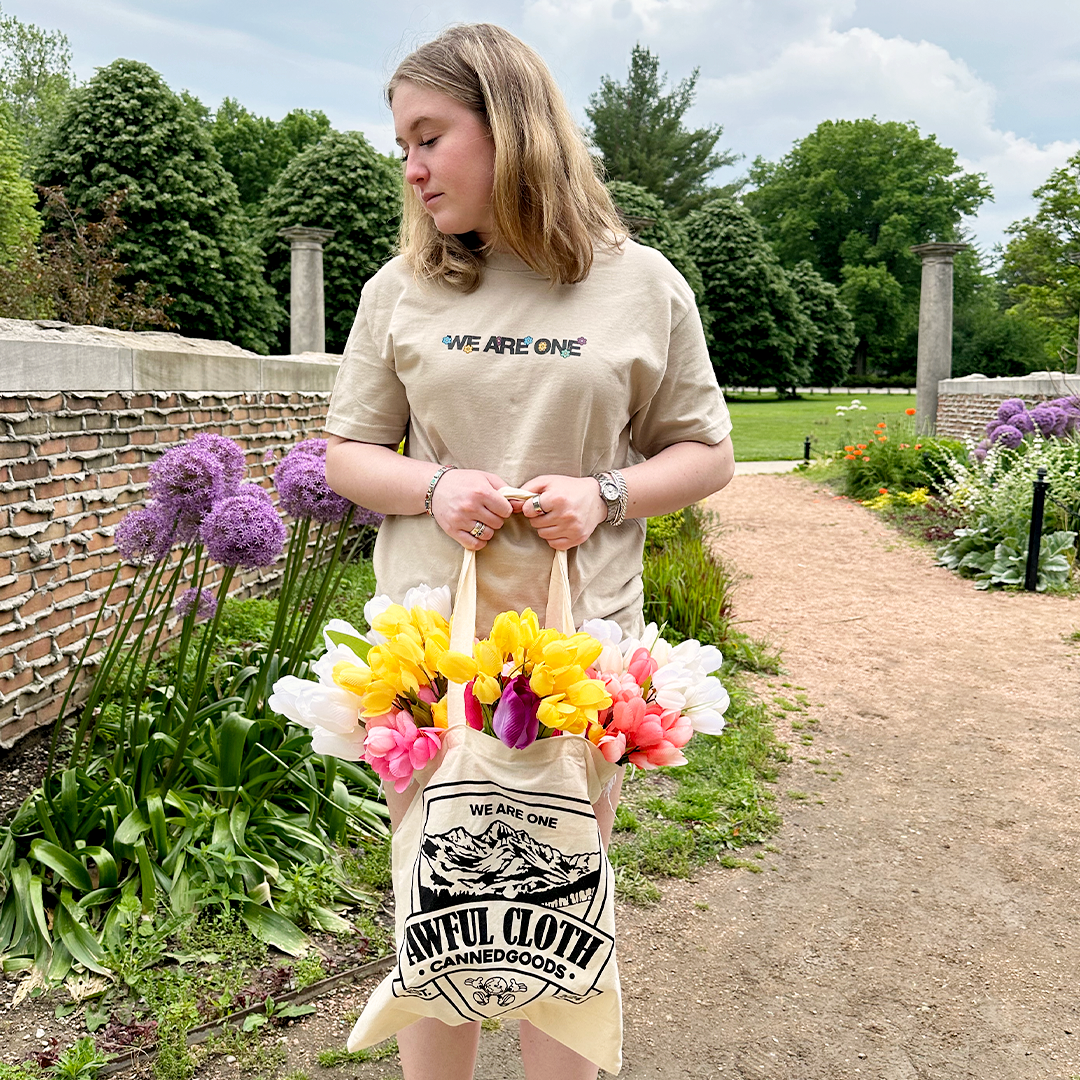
x=519, y=339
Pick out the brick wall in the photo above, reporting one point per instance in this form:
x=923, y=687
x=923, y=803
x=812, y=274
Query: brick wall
x=74, y=461
x=71, y=466
x=965, y=405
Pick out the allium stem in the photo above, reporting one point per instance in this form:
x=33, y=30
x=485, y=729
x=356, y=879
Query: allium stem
x=331, y=579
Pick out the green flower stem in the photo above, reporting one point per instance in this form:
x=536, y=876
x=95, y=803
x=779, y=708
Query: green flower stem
x=184, y=734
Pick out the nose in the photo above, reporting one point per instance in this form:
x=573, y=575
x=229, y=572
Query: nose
x=415, y=171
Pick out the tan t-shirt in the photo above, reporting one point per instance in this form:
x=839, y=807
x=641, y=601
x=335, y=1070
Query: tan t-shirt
x=520, y=378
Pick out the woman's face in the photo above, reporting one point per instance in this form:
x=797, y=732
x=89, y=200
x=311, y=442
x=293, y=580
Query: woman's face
x=449, y=158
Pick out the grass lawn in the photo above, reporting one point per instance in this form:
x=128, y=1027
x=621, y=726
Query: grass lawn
x=768, y=429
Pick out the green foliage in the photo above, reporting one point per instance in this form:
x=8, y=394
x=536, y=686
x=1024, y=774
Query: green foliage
x=830, y=344
x=665, y=233
x=339, y=183
x=638, y=129
x=182, y=786
x=255, y=149
x=716, y=803
x=894, y=457
x=994, y=340
x=995, y=498
x=1041, y=265
x=19, y=219
x=851, y=198
x=328, y=1059
x=687, y=591
x=80, y=1061
x=761, y=337
x=664, y=530
x=185, y=235
x=35, y=78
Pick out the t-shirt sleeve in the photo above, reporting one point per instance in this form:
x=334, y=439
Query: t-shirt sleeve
x=687, y=405
x=369, y=403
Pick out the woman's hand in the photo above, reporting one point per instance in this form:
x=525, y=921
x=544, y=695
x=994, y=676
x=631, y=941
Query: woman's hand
x=570, y=508
x=463, y=500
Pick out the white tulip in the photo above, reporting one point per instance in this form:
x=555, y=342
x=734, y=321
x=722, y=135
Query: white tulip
x=350, y=747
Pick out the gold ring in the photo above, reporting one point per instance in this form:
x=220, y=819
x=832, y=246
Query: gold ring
x=477, y=529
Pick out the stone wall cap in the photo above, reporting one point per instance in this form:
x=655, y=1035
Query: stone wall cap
x=938, y=247
x=143, y=340
x=1048, y=384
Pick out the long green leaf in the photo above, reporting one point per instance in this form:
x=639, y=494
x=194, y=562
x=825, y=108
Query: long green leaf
x=274, y=929
x=106, y=866
x=146, y=877
x=132, y=827
x=80, y=942
x=231, y=746
x=357, y=644
x=155, y=811
x=60, y=862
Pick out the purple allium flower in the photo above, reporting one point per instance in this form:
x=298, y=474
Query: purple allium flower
x=1050, y=420
x=1022, y=422
x=364, y=516
x=979, y=453
x=992, y=426
x=252, y=490
x=268, y=456
x=301, y=482
x=243, y=531
x=145, y=535
x=1071, y=407
x=515, y=721
x=195, y=475
x=205, y=598
x=1009, y=436
x=1010, y=407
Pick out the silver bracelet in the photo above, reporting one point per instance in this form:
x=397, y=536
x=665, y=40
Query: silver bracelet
x=624, y=497
x=431, y=487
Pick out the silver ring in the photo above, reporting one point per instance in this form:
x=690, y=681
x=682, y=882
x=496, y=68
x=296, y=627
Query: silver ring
x=477, y=530
x=536, y=505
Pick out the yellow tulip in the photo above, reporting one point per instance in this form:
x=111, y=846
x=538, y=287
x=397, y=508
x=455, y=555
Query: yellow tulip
x=489, y=660
x=506, y=633
x=457, y=667
x=486, y=689
x=351, y=676
x=588, y=694
x=438, y=712
x=378, y=698
x=391, y=621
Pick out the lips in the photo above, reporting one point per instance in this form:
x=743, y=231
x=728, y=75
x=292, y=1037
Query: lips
x=430, y=196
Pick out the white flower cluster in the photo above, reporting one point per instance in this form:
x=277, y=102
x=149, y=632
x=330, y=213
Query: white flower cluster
x=855, y=406
x=684, y=678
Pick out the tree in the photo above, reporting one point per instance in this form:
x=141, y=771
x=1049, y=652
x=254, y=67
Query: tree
x=185, y=234
x=23, y=294
x=851, y=198
x=761, y=337
x=1041, y=264
x=339, y=183
x=639, y=131
x=35, y=77
x=255, y=149
x=653, y=226
x=831, y=344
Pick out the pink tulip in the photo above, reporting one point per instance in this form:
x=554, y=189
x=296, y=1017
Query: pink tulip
x=642, y=666
x=395, y=750
x=613, y=747
x=474, y=715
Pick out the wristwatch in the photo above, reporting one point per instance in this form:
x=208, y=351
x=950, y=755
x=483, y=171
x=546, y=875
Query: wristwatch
x=613, y=492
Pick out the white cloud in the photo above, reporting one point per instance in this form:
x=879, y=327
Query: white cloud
x=858, y=73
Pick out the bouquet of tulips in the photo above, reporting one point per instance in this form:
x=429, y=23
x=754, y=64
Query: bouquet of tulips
x=382, y=698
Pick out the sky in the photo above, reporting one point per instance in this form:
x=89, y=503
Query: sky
x=998, y=83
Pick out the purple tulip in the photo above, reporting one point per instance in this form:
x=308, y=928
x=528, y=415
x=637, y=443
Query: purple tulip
x=515, y=721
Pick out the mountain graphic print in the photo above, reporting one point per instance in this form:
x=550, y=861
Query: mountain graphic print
x=502, y=863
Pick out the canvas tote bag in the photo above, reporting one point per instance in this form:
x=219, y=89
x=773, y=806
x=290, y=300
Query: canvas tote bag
x=504, y=894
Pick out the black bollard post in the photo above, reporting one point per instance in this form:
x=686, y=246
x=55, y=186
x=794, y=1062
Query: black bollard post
x=1038, y=504
x=806, y=449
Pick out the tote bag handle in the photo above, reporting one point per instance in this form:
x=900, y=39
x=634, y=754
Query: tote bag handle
x=560, y=615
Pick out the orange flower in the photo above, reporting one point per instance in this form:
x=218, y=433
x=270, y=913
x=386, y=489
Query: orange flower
x=861, y=446
x=883, y=491
x=910, y=412
x=903, y=446
x=882, y=424
x=918, y=446
x=849, y=448
x=857, y=453
x=883, y=438
x=849, y=457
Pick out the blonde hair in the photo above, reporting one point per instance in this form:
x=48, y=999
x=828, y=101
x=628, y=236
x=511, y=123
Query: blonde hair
x=549, y=206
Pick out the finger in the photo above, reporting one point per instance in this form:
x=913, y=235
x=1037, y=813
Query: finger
x=534, y=507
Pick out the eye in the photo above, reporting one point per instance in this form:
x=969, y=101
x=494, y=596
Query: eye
x=430, y=142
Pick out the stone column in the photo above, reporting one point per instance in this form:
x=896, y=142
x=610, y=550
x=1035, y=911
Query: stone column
x=307, y=306
x=935, y=329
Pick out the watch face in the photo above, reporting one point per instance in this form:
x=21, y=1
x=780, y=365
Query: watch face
x=609, y=489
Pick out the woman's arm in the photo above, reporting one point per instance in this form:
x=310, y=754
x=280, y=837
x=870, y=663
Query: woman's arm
x=681, y=474
x=381, y=479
